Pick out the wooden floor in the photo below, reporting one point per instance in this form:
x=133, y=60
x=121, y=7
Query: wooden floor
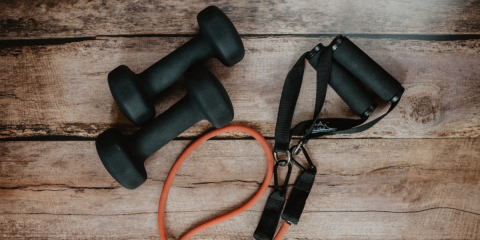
x=415, y=175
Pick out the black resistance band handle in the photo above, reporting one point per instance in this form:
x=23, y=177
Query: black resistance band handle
x=346, y=86
x=273, y=208
x=271, y=214
x=366, y=69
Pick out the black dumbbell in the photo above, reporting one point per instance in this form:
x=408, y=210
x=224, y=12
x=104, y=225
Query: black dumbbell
x=124, y=156
x=135, y=93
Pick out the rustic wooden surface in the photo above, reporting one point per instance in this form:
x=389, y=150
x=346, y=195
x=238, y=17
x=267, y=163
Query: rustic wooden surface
x=86, y=18
x=415, y=175
x=409, y=187
x=61, y=89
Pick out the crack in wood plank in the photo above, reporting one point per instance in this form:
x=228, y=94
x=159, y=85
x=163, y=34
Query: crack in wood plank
x=250, y=210
x=60, y=187
x=227, y=181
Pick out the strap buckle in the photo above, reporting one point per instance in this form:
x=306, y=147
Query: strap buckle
x=289, y=158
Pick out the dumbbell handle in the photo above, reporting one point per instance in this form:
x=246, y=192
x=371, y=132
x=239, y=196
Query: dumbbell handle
x=169, y=69
x=164, y=128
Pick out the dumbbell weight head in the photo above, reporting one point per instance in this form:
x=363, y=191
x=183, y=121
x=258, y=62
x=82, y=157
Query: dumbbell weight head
x=130, y=96
x=124, y=156
x=222, y=35
x=135, y=93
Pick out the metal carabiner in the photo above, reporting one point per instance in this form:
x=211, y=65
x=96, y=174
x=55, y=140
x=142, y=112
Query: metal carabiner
x=289, y=157
x=283, y=188
x=297, y=148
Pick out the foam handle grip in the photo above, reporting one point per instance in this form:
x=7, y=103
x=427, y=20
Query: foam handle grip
x=357, y=62
x=349, y=89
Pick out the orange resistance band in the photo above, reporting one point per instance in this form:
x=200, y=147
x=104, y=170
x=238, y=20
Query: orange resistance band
x=224, y=217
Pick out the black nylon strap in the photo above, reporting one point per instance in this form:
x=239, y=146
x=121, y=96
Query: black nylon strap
x=331, y=126
x=290, y=92
x=324, y=69
x=298, y=197
x=325, y=125
x=368, y=125
x=271, y=214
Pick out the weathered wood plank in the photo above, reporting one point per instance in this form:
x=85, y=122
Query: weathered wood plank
x=432, y=224
x=365, y=189
x=61, y=18
x=62, y=90
x=398, y=175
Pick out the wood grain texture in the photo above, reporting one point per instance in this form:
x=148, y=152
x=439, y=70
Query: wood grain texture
x=433, y=224
x=62, y=90
x=364, y=189
x=415, y=175
x=80, y=18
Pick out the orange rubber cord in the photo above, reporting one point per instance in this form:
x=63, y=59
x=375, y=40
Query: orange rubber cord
x=282, y=231
x=171, y=176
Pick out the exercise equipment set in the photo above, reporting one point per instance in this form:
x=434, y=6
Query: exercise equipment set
x=342, y=65
x=135, y=93
x=124, y=156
